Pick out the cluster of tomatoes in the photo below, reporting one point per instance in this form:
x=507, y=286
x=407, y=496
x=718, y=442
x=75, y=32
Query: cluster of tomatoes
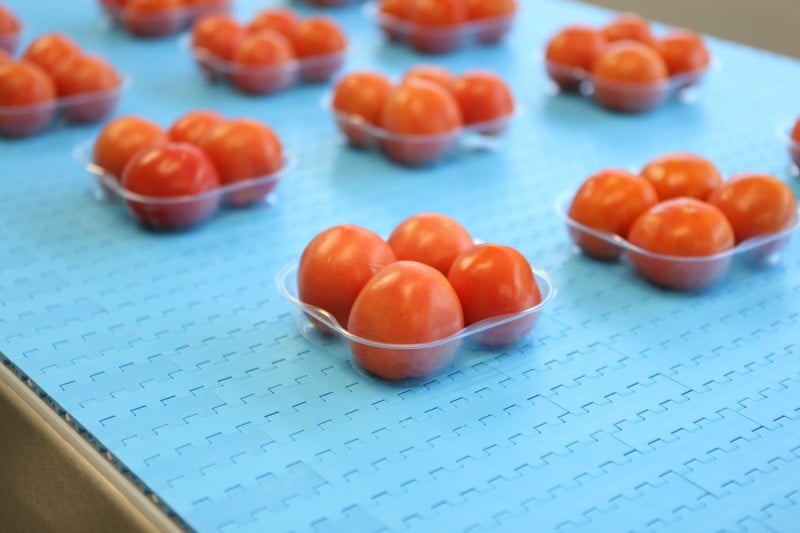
x=440, y=26
x=10, y=29
x=421, y=118
x=54, y=74
x=678, y=221
x=271, y=52
x=628, y=67
x=403, y=303
x=177, y=178
x=159, y=18
x=794, y=143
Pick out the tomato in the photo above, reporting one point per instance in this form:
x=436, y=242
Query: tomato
x=361, y=94
x=684, y=53
x=217, y=36
x=484, y=99
x=493, y=16
x=574, y=47
x=681, y=228
x=436, y=25
x=629, y=76
x=609, y=201
x=243, y=150
x=5, y=57
x=201, y=8
x=153, y=18
x=336, y=265
x=51, y=50
x=493, y=280
x=392, y=15
x=795, y=134
x=121, y=139
x=405, y=303
x=423, y=122
x=91, y=88
x=682, y=174
x=755, y=205
x=282, y=20
x=433, y=73
x=794, y=143
x=193, y=126
x=430, y=238
x=261, y=63
x=9, y=30
x=328, y=3
x=171, y=170
x=27, y=99
x=320, y=43
x=629, y=26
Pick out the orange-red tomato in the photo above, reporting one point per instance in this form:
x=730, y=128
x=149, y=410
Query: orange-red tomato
x=574, y=47
x=218, y=35
x=683, y=51
x=494, y=18
x=484, y=97
x=493, y=280
x=336, y=265
x=436, y=25
x=315, y=39
x=394, y=12
x=260, y=63
x=9, y=30
x=430, y=238
x=27, y=95
x=682, y=228
x=629, y=26
x=755, y=205
x=423, y=120
x=50, y=51
x=121, y=139
x=282, y=20
x=153, y=18
x=629, y=76
x=405, y=303
x=5, y=57
x=609, y=201
x=95, y=80
x=242, y=150
x=171, y=170
x=682, y=174
x=433, y=73
x=795, y=133
x=193, y=126
x=361, y=94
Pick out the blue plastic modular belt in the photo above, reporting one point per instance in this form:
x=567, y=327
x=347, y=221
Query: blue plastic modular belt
x=630, y=408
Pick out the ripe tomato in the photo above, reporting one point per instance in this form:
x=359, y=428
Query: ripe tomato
x=755, y=205
x=91, y=85
x=193, y=126
x=430, y=238
x=27, y=99
x=392, y=15
x=436, y=25
x=282, y=20
x=171, y=170
x=423, y=122
x=629, y=76
x=484, y=99
x=361, y=94
x=681, y=228
x=5, y=57
x=493, y=280
x=682, y=174
x=9, y=30
x=336, y=265
x=261, y=63
x=629, y=26
x=609, y=201
x=494, y=17
x=795, y=134
x=320, y=43
x=153, y=18
x=121, y=139
x=433, y=73
x=217, y=36
x=574, y=47
x=405, y=303
x=243, y=150
x=684, y=53
x=51, y=50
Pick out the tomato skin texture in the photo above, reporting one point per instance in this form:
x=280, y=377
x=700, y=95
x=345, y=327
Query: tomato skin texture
x=282, y=20
x=681, y=227
x=193, y=126
x=629, y=77
x=433, y=73
x=218, y=35
x=98, y=83
x=405, y=303
x=430, y=238
x=153, y=18
x=629, y=26
x=436, y=25
x=50, y=51
x=121, y=139
x=398, y=10
x=795, y=135
x=682, y=174
x=261, y=63
x=483, y=97
x=493, y=280
x=610, y=200
x=313, y=38
x=31, y=91
x=495, y=14
x=9, y=24
x=336, y=265
x=684, y=51
x=5, y=57
x=171, y=170
x=574, y=47
x=362, y=94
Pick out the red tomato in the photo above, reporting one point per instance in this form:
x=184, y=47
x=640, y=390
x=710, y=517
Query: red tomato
x=153, y=18
x=243, y=150
x=681, y=228
x=171, y=170
x=392, y=15
x=27, y=99
x=682, y=174
x=262, y=63
x=493, y=280
x=755, y=205
x=484, y=99
x=436, y=25
x=629, y=76
x=684, y=53
x=91, y=85
x=423, y=122
x=9, y=30
x=795, y=135
x=218, y=36
x=629, y=26
x=405, y=303
x=609, y=201
x=494, y=18
x=336, y=265
x=574, y=47
x=51, y=50
x=193, y=126
x=282, y=20
x=430, y=238
x=320, y=43
x=5, y=57
x=434, y=73
x=121, y=139
x=363, y=95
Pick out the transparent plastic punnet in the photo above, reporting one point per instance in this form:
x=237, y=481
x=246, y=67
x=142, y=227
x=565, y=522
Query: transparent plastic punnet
x=332, y=3
x=792, y=144
x=410, y=361
x=675, y=272
x=10, y=41
x=161, y=24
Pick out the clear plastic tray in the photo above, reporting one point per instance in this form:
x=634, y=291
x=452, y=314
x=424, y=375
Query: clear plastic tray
x=160, y=24
x=179, y=212
x=676, y=272
x=792, y=146
x=332, y=3
x=10, y=42
x=416, y=361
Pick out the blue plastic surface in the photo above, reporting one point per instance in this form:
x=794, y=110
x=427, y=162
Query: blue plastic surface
x=630, y=408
